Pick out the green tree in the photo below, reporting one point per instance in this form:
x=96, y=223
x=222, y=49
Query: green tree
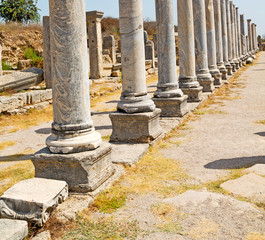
x=22, y=11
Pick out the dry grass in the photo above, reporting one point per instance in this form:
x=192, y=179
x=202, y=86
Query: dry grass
x=256, y=236
x=17, y=27
x=260, y=122
x=4, y=145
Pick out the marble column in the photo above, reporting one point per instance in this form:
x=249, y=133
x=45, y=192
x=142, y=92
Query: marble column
x=75, y=151
x=219, y=40
x=202, y=70
x=95, y=43
x=137, y=119
x=238, y=42
x=254, y=38
x=243, y=36
x=168, y=97
x=229, y=36
x=232, y=15
x=187, y=79
x=47, y=52
x=211, y=43
x=250, y=38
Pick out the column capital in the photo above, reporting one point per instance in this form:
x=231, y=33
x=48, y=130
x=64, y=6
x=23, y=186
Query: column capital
x=249, y=20
x=94, y=15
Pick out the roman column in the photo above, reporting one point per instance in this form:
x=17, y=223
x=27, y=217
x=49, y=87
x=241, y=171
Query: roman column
x=95, y=43
x=218, y=37
x=240, y=55
x=243, y=36
x=168, y=96
x=233, y=30
x=211, y=43
x=229, y=36
x=75, y=151
x=203, y=74
x=187, y=79
x=250, y=38
x=137, y=119
x=47, y=52
x=225, y=37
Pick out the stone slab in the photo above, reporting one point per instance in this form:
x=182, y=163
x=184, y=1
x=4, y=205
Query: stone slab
x=43, y=236
x=33, y=200
x=250, y=186
x=13, y=229
x=21, y=80
x=137, y=127
x=84, y=172
x=258, y=169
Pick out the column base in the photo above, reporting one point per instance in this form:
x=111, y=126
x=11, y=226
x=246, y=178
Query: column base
x=229, y=69
x=217, y=77
x=233, y=66
x=172, y=107
x=194, y=94
x=84, y=172
x=224, y=73
x=137, y=127
x=206, y=81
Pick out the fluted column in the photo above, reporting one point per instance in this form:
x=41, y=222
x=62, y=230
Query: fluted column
x=236, y=37
x=72, y=128
x=232, y=14
x=201, y=56
x=187, y=79
x=168, y=93
x=239, y=36
x=250, y=38
x=225, y=37
x=211, y=43
x=243, y=36
x=219, y=41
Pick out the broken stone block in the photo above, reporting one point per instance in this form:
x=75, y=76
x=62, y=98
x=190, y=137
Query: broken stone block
x=43, y=236
x=21, y=80
x=9, y=103
x=33, y=200
x=34, y=97
x=13, y=229
x=23, y=97
x=250, y=186
x=84, y=172
x=24, y=64
x=45, y=95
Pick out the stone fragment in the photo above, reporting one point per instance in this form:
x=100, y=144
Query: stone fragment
x=33, y=200
x=23, y=97
x=34, y=97
x=257, y=169
x=249, y=60
x=24, y=64
x=84, y=172
x=150, y=52
x=45, y=95
x=109, y=43
x=21, y=80
x=250, y=186
x=13, y=229
x=43, y=236
x=42, y=105
x=8, y=103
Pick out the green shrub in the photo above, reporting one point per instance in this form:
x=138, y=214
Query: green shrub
x=6, y=65
x=36, y=60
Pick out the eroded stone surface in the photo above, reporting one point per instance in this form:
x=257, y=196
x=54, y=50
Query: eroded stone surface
x=43, y=236
x=13, y=229
x=33, y=200
x=250, y=186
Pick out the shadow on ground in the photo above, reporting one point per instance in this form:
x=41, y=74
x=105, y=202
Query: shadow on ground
x=43, y=131
x=236, y=163
x=16, y=157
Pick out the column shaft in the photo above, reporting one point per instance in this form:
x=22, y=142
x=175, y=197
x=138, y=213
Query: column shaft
x=238, y=35
x=250, y=38
x=229, y=35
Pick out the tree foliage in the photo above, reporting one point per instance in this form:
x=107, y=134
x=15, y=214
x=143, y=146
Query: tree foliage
x=22, y=11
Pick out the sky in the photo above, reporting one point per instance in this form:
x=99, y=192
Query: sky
x=253, y=9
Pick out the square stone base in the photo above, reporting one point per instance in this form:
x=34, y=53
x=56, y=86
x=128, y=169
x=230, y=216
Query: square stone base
x=137, y=127
x=172, y=107
x=84, y=172
x=208, y=86
x=194, y=94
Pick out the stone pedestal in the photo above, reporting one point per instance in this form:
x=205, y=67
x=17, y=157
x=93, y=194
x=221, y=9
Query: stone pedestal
x=95, y=43
x=138, y=127
x=84, y=172
x=109, y=44
x=47, y=52
x=211, y=43
x=187, y=79
x=172, y=107
x=150, y=52
x=33, y=200
x=203, y=74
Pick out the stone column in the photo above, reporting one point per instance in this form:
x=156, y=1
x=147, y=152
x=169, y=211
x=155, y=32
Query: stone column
x=137, y=119
x=211, y=43
x=1, y=70
x=187, y=79
x=168, y=97
x=259, y=43
x=47, y=52
x=202, y=70
x=254, y=37
x=95, y=43
x=250, y=38
x=238, y=46
x=109, y=43
x=75, y=151
x=243, y=36
x=232, y=15
x=229, y=36
x=218, y=37
x=240, y=55
x=225, y=37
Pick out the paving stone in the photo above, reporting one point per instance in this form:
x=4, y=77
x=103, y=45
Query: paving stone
x=33, y=200
x=250, y=186
x=258, y=169
x=13, y=229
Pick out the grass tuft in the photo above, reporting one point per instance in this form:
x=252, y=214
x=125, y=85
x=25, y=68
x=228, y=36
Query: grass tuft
x=4, y=145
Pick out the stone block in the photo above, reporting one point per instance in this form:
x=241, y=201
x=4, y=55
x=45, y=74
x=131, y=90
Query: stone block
x=21, y=80
x=137, y=127
x=172, y=107
x=24, y=64
x=43, y=236
x=9, y=103
x=250, y=186
x=34, y=97
x=42, y=105
x=23, y=97
x=117, y=67
x=13, y=229
x=116, y=74
x=33, y=200
x=84, y=172
x=45, y=95
x=194, y=94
